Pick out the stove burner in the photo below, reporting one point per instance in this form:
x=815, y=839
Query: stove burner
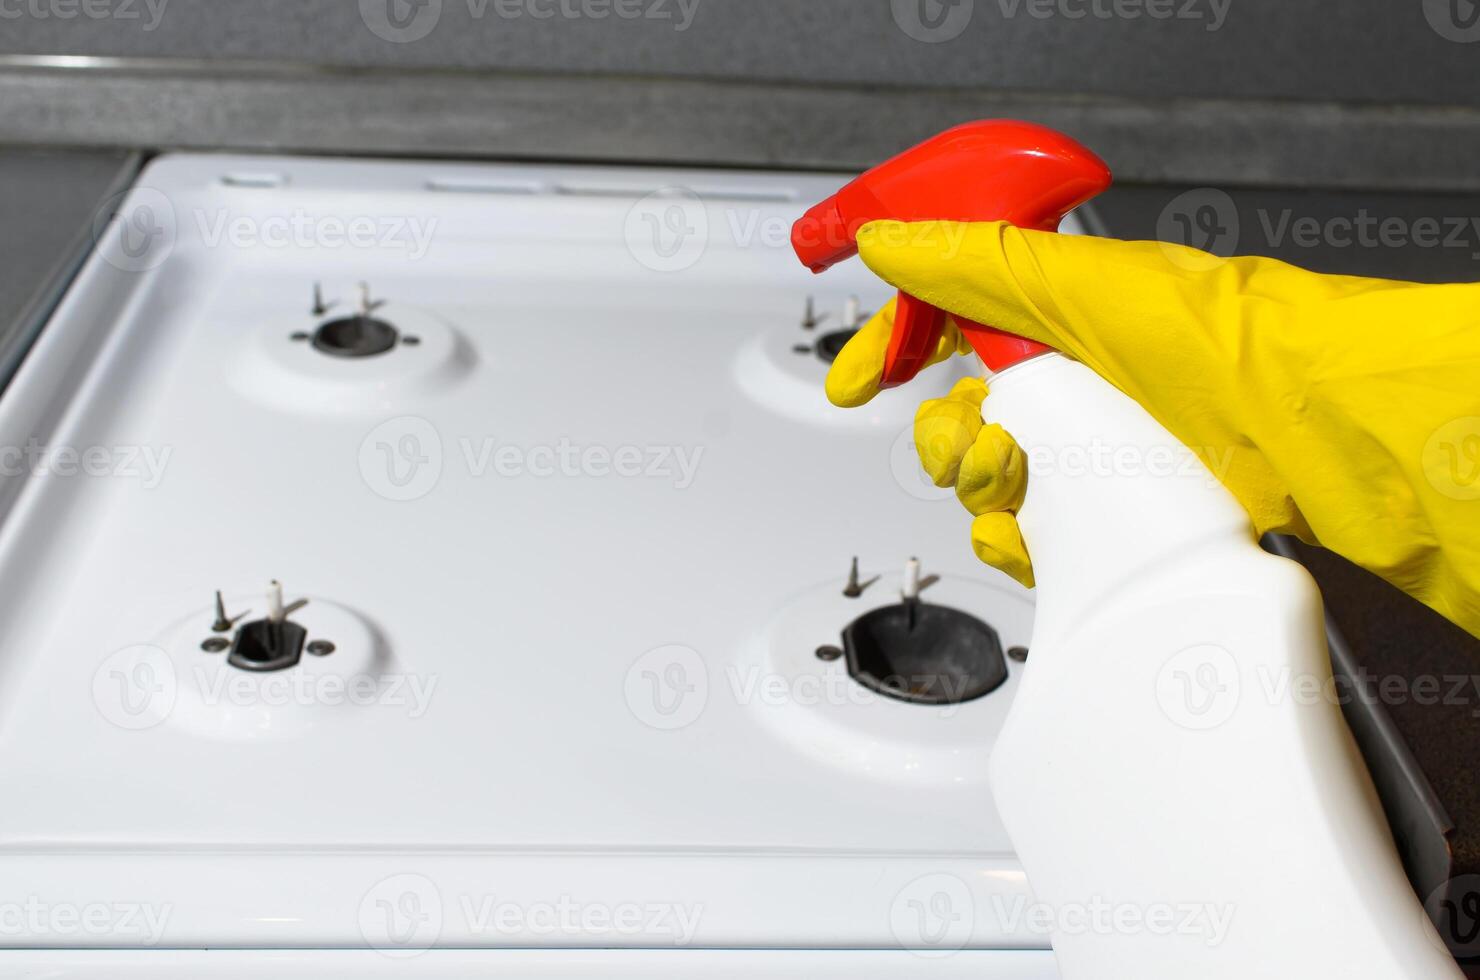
x=274, y=642
x=829, y=344
x=263, y=645
x=924, y=654
x=355, y=336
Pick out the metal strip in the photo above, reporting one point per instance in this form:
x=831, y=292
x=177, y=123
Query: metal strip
x=1417, y=816
x=17, y=337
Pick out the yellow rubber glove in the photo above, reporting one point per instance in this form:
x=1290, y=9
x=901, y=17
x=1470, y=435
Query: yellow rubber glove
x=1340, y=409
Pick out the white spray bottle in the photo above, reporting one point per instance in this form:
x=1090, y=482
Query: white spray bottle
x=1180, y=786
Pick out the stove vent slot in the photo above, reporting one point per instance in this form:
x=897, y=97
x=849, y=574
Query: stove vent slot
x=483, y=185
x=753, y=195
x=756, y=195
x=263, y=179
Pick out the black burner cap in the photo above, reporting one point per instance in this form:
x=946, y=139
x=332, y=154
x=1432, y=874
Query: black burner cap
x=354, y=336
x=924, y=654
x=829, y=344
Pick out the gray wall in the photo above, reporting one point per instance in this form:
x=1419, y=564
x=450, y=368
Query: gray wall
x=1361, y=92
x=1382, y=51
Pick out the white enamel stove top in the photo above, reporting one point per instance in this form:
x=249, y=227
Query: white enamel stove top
x=569, y=547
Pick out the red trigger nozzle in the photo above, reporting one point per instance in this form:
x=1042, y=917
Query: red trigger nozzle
x=990, y=170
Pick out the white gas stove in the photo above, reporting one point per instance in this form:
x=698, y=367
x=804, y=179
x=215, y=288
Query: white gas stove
x=546, y=453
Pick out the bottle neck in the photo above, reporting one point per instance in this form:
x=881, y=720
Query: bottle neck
x=1018, y=367
x=998, y=349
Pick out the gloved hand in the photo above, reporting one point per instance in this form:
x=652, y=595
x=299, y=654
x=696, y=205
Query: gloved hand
x=1344, y=410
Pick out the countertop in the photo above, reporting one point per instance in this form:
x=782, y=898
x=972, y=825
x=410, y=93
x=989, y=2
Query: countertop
x=48, y=200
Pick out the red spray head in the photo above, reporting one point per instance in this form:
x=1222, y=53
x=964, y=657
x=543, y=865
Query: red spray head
x=991, y=170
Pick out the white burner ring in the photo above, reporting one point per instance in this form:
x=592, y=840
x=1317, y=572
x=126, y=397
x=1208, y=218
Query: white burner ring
x=290, y=374
x=217, y=700
x=816, y=707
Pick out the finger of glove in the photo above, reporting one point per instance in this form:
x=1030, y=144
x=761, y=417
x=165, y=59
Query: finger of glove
x=998, y=541
x=853, y=379
x=945, y=429
x=993, y=473
x=971, y=268
x=1135, y=312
